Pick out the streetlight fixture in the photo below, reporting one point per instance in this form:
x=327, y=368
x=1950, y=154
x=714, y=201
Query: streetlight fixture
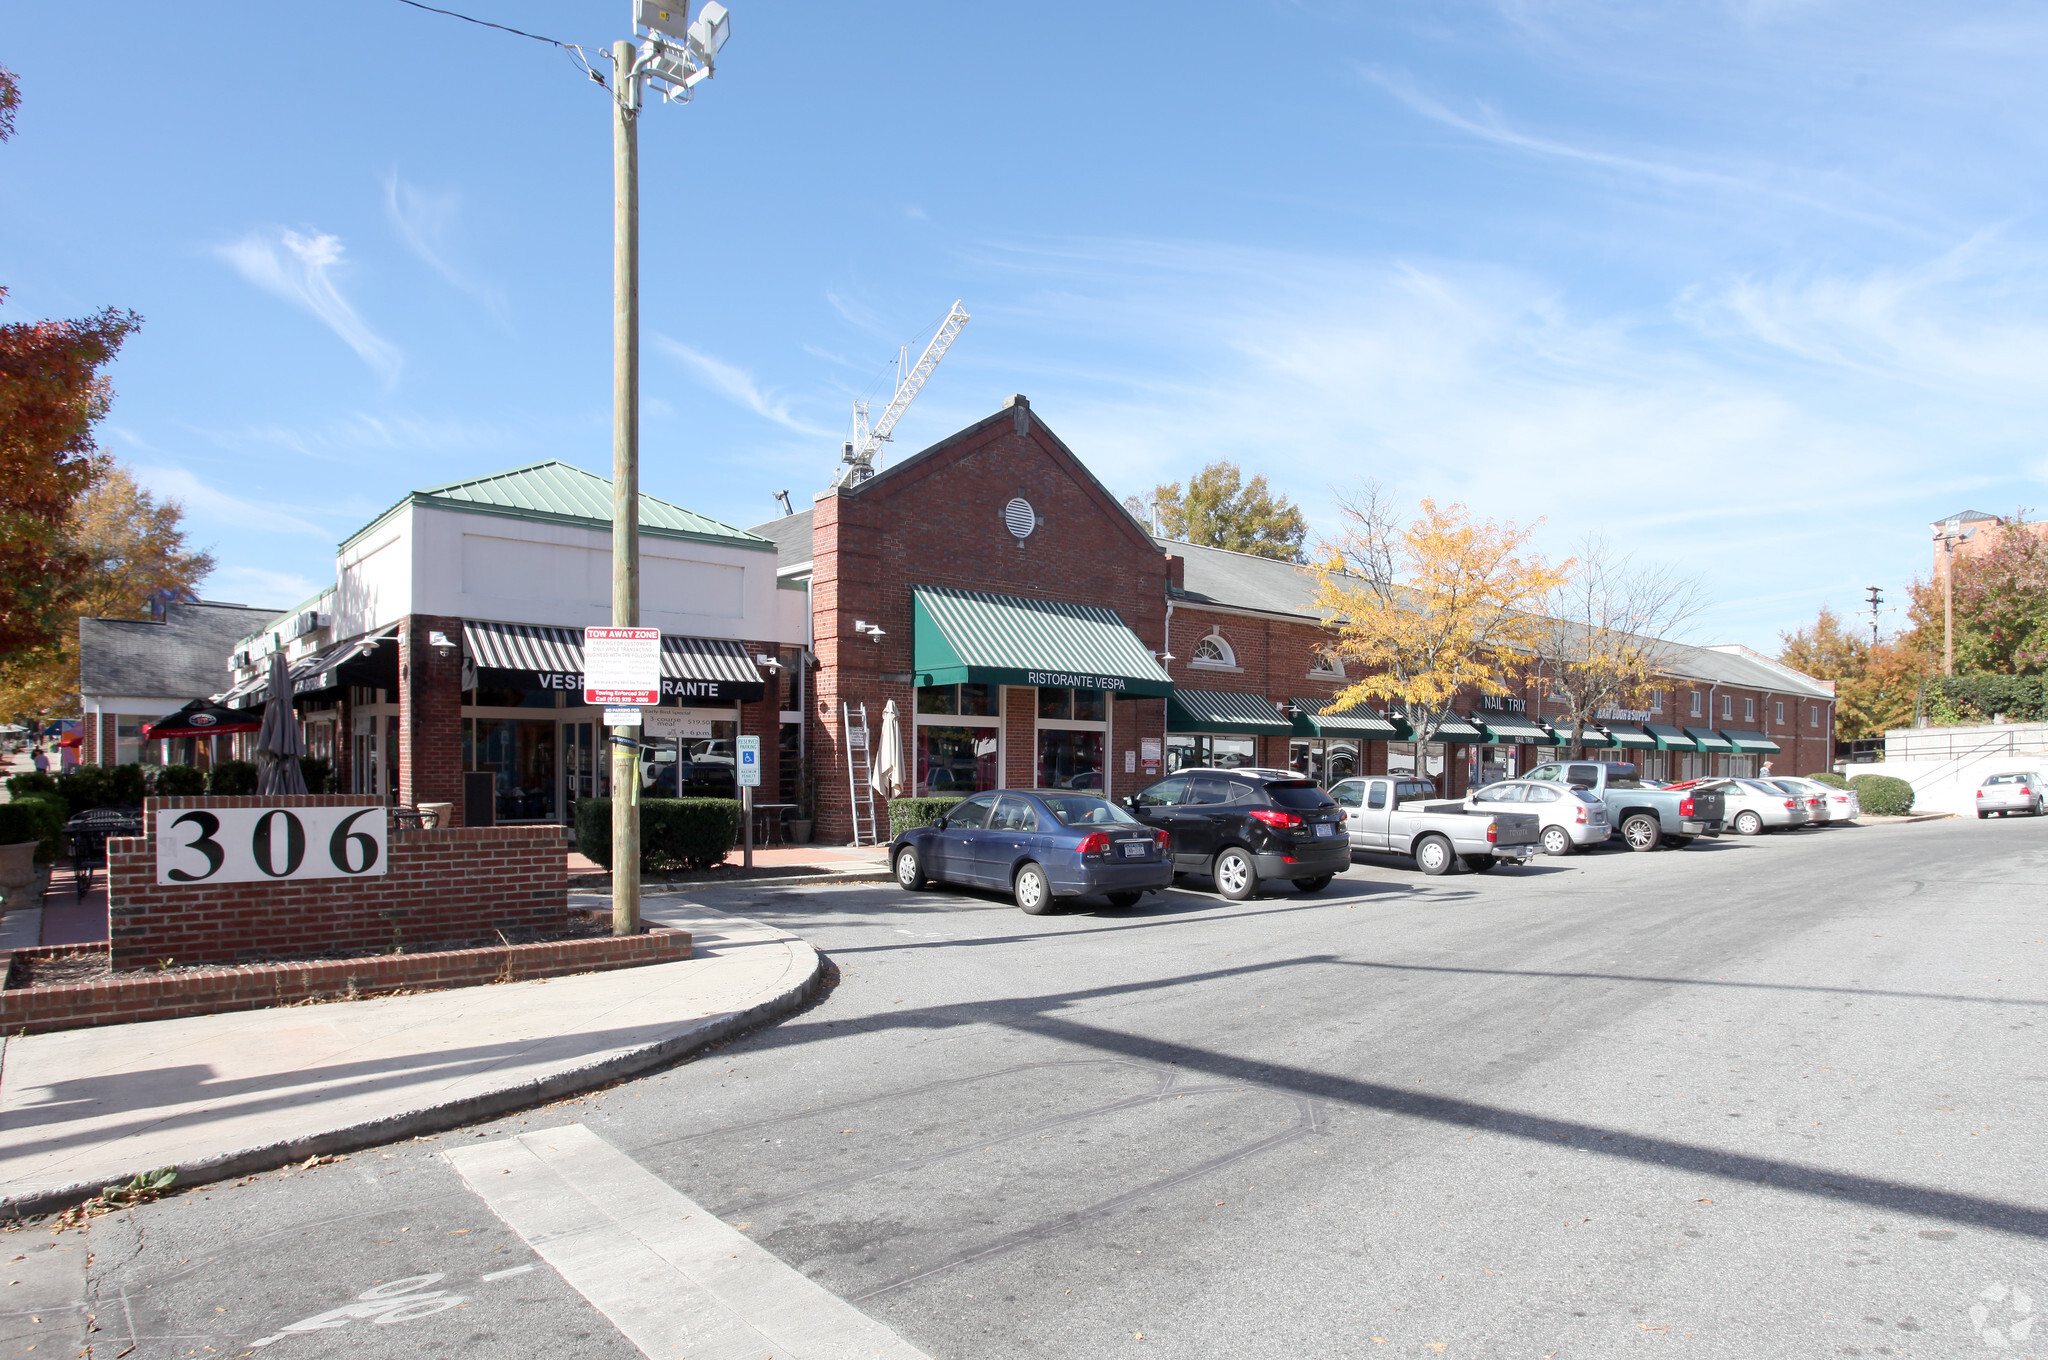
x=1952, y=533
x=672, y=56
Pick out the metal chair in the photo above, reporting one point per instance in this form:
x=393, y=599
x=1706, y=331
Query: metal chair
x=89, y=832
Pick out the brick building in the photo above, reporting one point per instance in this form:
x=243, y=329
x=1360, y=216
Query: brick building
x=132, y=672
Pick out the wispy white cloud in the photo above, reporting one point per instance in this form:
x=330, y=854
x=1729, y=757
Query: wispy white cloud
x=203, y=500
x=301, y=269
x=361, y=431
x=426, y=221
x=260, y=586
x=736, y=384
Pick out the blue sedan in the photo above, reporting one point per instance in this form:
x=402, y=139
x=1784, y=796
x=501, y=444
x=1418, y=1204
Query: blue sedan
x=1039, y=844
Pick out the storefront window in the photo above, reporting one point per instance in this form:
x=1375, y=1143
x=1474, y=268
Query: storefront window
x=966, y=701
x=1209, y=753
x=694, y=766
x=498, y=697
x=520, y=753
x=1073, y=705
x=955, y=759
x=1323, y=760
x=1490, y=763
x=1402, y=758
x=127, y=741
x=1069, y=759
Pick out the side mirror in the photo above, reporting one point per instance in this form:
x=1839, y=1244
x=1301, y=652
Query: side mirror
x=939, y=822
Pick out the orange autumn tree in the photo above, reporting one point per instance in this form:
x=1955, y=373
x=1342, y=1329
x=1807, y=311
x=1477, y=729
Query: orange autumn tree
x=1429, y=606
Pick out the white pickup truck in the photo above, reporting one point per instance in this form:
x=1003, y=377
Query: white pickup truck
x=1395, y=815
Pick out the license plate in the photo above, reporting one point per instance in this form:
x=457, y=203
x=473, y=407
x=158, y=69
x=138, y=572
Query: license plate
x=1134, y=849
x=1325, y=829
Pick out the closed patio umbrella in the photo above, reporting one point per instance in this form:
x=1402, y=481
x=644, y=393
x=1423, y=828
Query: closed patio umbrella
x=278, y=743
x=887, y=778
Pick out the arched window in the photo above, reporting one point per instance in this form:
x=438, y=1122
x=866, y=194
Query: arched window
x=1213, y=651
x=1327, y=662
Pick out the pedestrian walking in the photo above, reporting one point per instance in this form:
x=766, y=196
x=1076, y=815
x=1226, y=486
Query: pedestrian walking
x=1767, y=770
x=40, y=759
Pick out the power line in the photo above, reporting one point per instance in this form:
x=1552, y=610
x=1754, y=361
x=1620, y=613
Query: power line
x=570, y=48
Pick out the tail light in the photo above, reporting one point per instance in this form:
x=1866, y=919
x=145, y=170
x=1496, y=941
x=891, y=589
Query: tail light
x=1685, y=807
x=1493, y=833
x=1096, y=843
x=1581, y=813
x=1980, y=793
x=1280, y=819
x=1164, y=838
x=1791, y=806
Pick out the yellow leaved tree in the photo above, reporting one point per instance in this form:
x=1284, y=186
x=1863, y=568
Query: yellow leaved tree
x=1430, y=606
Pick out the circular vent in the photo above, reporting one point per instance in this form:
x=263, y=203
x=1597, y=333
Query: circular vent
x=1021, y=518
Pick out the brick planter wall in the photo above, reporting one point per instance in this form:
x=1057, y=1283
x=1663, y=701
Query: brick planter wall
x=205, y=991
x=456, y=884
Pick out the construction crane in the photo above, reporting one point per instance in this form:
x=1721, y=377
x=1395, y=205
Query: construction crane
x=857, y=456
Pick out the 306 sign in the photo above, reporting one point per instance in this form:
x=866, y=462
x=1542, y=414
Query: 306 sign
x=258, y=845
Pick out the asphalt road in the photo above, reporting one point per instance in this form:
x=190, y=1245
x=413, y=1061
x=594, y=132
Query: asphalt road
x=1772, y=1098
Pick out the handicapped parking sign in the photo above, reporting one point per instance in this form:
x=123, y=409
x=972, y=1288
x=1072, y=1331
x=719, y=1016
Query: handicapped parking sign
x=749, y=752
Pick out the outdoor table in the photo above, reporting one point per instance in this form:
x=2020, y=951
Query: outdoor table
x=89, y=831
x=763, y=822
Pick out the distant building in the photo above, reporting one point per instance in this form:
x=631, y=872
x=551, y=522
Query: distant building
x=134, y=671
x=1983, y=530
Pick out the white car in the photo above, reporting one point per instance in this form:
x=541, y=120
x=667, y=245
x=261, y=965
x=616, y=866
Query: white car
x=1818, y=810
x=2005, y=794
x=1754, y=807
x=1838, y=805
x=1571, y=817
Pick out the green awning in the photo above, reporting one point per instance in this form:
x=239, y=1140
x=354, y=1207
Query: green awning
x=1592, y=738
x=1452, y=727
x=1204, y=710
x=1751, y=741
x=1317, y=718
x=975, y=637
x=1709, y=740
x=1629, y=735
x=1670, y=738
x=1504, y=729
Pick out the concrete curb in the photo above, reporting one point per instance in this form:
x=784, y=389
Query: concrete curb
x=693, y=1036
x=660, y=887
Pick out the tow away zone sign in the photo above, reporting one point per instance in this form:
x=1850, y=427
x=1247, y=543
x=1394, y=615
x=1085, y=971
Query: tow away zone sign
x=622, y=666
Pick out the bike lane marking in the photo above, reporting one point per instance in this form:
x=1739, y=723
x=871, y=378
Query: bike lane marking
x=663, y=1269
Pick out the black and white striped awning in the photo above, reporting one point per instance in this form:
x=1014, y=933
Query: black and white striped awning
x=531, y=656
x=332, y=668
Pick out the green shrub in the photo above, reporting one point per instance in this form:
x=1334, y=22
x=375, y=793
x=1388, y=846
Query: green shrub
x=88, y=786
x=35, y=781
x=231, y=778
x=676, y=834
x=905, y=813
x=318, y=774
x=1883, y=796
x=39, y=817
x=179, y=781
x=1833, y=781
x=127, y=785
x=1966, y=700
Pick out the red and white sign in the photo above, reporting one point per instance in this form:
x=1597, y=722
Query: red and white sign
x=622, y=666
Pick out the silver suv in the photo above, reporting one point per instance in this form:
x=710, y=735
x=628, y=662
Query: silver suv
x=2005, y=794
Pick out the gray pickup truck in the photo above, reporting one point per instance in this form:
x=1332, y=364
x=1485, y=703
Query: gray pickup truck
x=1393, y=815
x=1644, y=818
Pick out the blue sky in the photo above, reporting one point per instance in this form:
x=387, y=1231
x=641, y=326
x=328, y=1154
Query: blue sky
x=1752, y=288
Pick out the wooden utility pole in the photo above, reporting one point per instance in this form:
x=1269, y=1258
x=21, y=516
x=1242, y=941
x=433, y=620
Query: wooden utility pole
x=625, y=471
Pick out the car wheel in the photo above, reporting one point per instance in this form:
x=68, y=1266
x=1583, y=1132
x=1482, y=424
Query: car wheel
x=1982, y=815
x=1033, y=893
x=1557, y=841
x=1642, y=832
x=1236, y=876
x=1313, y=885
x=1435, y=856
x=1125, y=899
x=1748, y=824
x=1480, y=864
x=909, y=869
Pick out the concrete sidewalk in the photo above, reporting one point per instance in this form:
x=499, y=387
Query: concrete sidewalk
x=222, y=1095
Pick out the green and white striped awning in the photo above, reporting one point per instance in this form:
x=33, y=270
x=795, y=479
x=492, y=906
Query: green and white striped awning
x=1505, y=729
x=1671, y=738
x=1631, y=736
x=1592, y=738
x=1755, y=742
x=976, y=637
x=1708, y=739
x=1222, y=711
x=1319, y=718
x=1451, y=727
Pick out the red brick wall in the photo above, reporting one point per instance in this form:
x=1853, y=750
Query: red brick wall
x=440, y=886
x=430, y=713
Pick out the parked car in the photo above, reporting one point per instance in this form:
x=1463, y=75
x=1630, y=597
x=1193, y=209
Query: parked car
x=1754, y=807
x=1242, y=825
x=1040, y=845
x=2005, y=794
x=1394, y=815
x=1569, y=817
x=1821, y=806
x=1645, y=817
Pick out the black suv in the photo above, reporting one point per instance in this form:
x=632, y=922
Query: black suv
x=1239, y=826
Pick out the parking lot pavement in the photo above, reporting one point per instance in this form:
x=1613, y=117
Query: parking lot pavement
x=1774, y=1097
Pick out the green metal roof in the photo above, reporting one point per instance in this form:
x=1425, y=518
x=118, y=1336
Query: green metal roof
x=1751, y=741
x=1205, y=710
x=976, y=637
x=1709, y=740
x=555, y=492
x=1319, y=718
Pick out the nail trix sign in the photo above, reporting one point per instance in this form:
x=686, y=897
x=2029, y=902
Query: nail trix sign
x=622, y=666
